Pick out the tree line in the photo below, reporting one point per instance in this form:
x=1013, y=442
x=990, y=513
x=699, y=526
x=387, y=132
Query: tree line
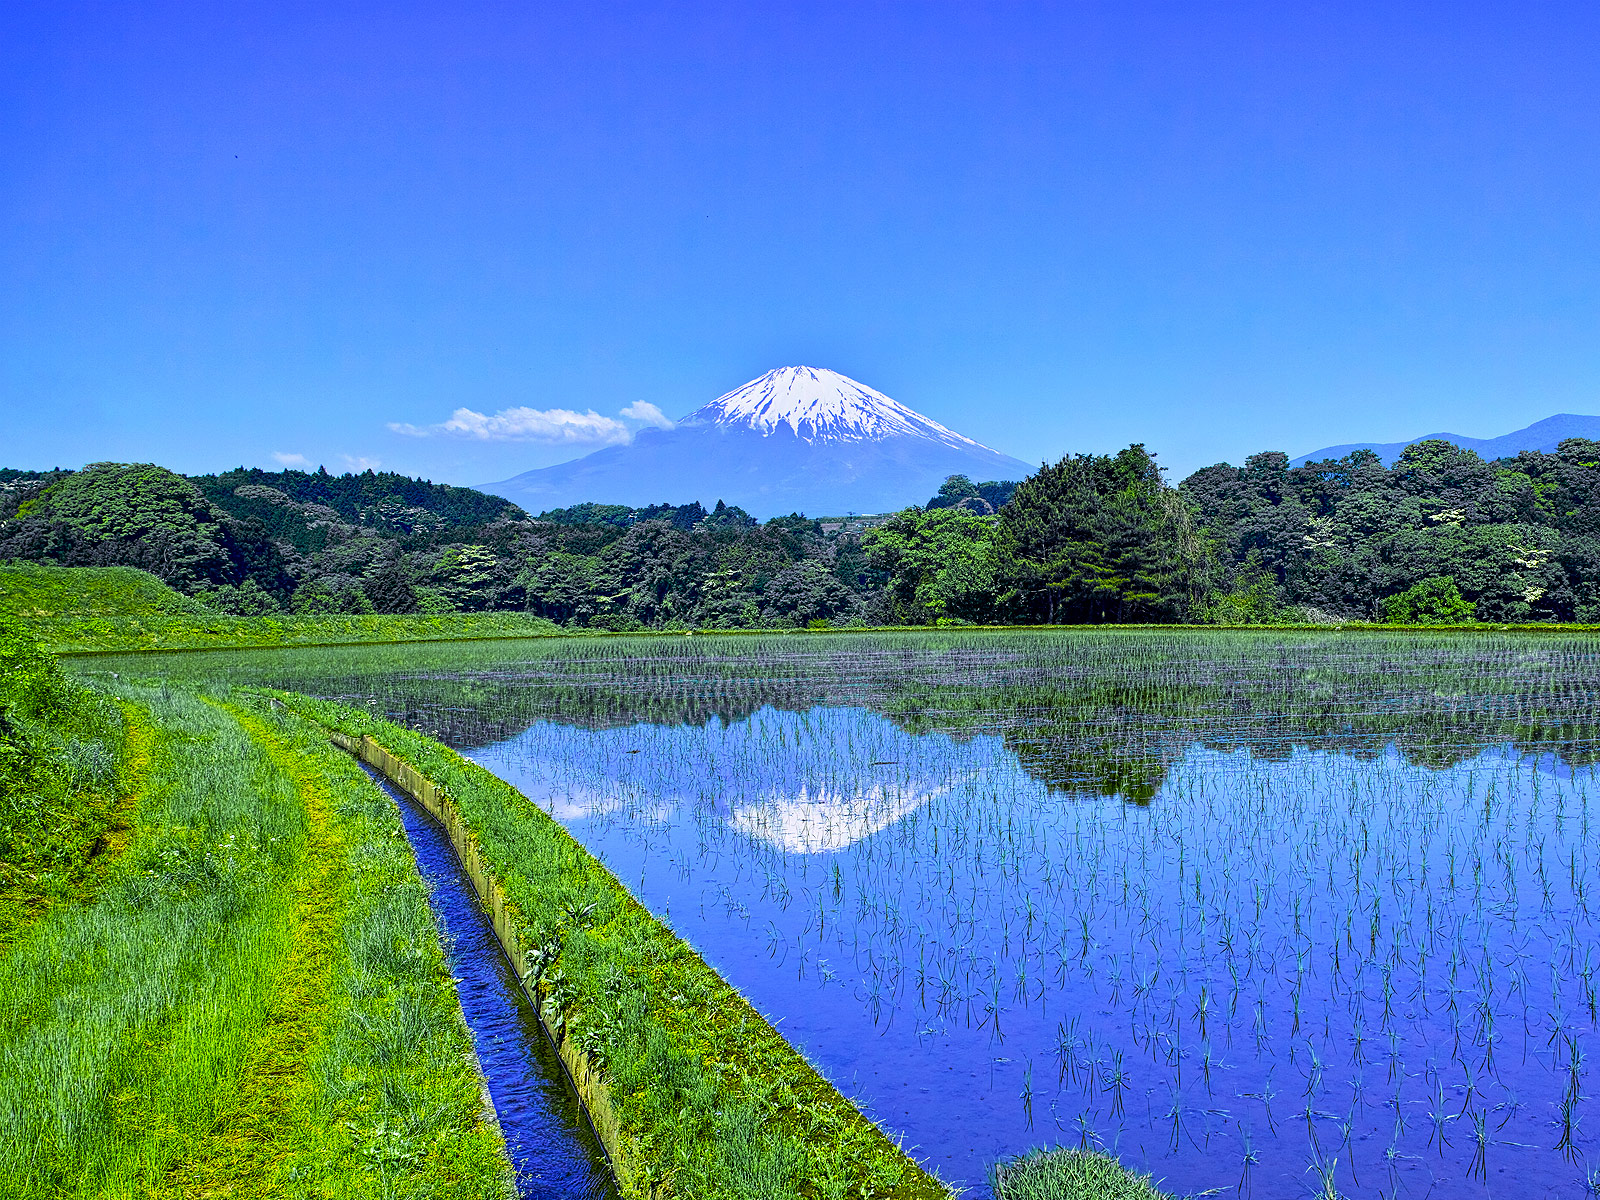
x=1442, y=535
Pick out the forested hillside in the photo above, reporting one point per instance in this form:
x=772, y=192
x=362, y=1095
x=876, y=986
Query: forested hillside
x=1441, y=536
x=255, y=543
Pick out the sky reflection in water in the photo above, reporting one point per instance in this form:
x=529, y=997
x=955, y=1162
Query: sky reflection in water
x=1255, y=911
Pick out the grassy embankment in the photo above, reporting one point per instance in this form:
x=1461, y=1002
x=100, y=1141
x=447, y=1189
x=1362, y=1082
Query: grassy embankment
x=710, y=1099
x=222, y=977
x=77, y=609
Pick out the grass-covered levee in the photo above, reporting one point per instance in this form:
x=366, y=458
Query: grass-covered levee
x=219, y=974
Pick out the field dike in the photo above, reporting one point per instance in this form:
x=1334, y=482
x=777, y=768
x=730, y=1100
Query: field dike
x=691, y=1091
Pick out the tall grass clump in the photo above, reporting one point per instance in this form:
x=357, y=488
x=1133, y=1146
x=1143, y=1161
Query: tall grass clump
x=62, y=774
x=1068, y=1174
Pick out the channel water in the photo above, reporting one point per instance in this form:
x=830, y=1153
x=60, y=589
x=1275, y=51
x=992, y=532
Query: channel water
x=554, y=1151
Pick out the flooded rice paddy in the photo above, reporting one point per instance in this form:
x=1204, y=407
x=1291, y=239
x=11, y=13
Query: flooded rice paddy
x=1263, y=915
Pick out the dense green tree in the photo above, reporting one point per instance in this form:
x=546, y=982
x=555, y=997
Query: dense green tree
x=249, y=599
x=391, y=588
x=806, y=592
x=1097, y=539
x=330, y=594
x=470, y=577
x=139, y=515
x=958, y=491
x=1340, y=536
x=381, y=500
x=1434, y=600
x=564, y=587
x=940, y=563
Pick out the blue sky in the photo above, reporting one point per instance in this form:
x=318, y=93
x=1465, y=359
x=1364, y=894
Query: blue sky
x=234, y=232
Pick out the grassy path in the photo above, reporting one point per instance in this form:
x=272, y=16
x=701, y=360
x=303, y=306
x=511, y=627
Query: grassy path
x=266, y=1114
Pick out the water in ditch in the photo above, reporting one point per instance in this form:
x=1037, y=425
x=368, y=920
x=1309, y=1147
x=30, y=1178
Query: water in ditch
x=554, y=1151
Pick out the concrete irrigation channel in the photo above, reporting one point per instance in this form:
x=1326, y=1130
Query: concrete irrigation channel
x=580, y=1074
x=553, y=1149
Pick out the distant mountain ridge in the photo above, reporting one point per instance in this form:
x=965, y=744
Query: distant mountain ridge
x=1543, y=435
x=797, y=439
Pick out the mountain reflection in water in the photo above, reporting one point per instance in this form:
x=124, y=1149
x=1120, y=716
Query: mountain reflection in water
x=805, y=783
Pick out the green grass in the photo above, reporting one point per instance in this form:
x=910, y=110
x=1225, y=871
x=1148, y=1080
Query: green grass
x=1069, y=1175
x=253, y=1002
x=84, y=609
x=71, y=763
x=711, y=1100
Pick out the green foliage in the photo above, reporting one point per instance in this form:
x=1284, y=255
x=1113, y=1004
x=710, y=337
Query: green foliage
x=940, y=563
x=1520, y=537
x=958, y=491
x=469, y=577
x=60, y=753
x=1253, y=598
x=1067, y=1174
x=326, y=595
x=390, y=588
x=1097, y=539
x=246, y=600
x=1431, y=601
x=139, y=515
x=1090, y=539
x=806, y=593
x=390, y=503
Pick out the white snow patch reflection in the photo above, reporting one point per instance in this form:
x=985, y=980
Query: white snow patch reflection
x=822, y=820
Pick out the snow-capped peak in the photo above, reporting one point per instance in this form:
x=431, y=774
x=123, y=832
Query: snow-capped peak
x=821, y=405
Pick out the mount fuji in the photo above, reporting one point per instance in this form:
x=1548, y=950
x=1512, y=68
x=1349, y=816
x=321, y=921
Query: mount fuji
x=798, y=439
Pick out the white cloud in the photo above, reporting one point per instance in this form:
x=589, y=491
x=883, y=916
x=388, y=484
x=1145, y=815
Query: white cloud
x=553, y=426
x=647, y=413
x=290, y=460
x=557, y=426
x=358, y=464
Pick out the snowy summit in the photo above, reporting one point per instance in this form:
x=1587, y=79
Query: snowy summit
x=822, y=405
x=798, y=439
